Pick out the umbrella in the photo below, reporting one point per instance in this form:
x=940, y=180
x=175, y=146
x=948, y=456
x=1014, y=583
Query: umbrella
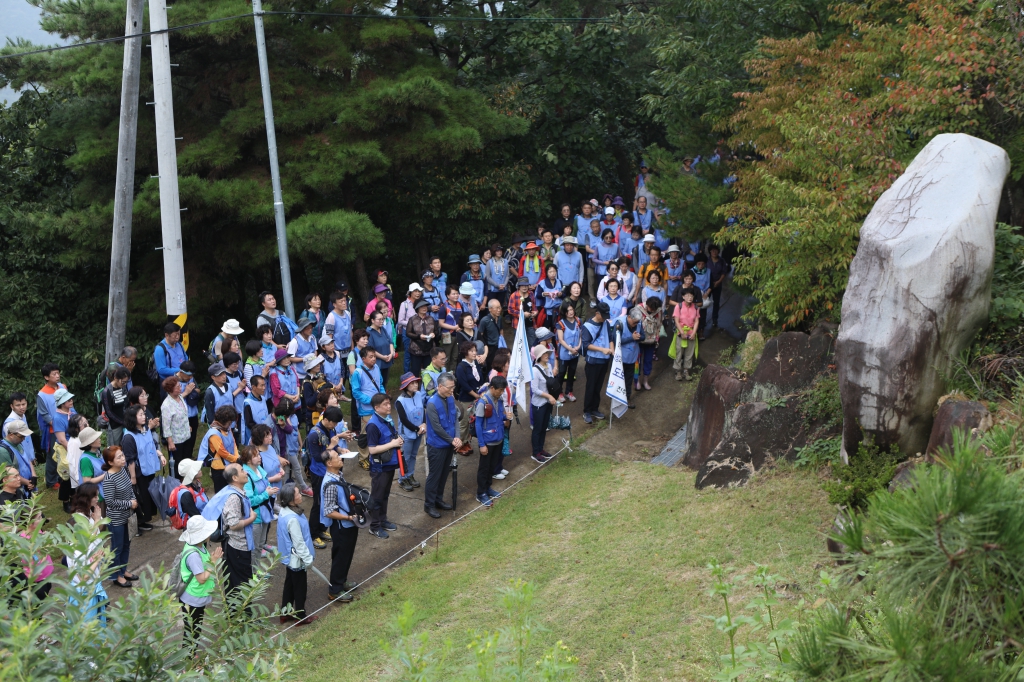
x=160, y=489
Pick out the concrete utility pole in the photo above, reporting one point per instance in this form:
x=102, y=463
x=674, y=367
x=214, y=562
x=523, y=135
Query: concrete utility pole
x=124, y=192
x=275, y=173
x=167, y=163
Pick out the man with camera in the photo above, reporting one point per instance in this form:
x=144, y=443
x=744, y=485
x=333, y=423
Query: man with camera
x=321, y=438
x=335, y=513
x=383, y=443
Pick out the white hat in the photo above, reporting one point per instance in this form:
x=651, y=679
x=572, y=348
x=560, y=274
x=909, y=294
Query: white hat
x=569, y=240
x=188, y=469
x=648, y=239
x=19, y=427
x=539, y=351
x=88, y=436
x=310, y=361
x=347, y=454
x=466, y=289
x=609, y=211
x=232, y=327
x=415, y=287
x=197, y=529
x=543, y=333
x=672, y=249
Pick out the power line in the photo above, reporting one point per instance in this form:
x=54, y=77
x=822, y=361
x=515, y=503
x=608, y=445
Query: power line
x=171, y=29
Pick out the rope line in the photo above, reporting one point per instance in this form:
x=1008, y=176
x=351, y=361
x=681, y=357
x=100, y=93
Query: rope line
x=565, y=446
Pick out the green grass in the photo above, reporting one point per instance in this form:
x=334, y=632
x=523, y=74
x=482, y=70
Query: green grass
x=618, y=554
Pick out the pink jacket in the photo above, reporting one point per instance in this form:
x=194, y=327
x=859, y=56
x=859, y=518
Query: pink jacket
x=687, y=316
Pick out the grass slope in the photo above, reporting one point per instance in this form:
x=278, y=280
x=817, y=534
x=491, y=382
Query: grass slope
x=618, y=554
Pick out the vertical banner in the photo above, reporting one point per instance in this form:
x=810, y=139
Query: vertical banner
x=616, y=389
x=520, y=368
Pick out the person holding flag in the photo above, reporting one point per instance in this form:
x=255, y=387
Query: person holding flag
x=543, y=385
x=598, y=348
x=519, y=373
x=616, y=389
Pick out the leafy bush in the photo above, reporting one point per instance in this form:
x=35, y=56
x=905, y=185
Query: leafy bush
x=870, y=470
x=821, y=403
x=1007, y=309
x=749, y=352
x=818, y=453
x=501, y=655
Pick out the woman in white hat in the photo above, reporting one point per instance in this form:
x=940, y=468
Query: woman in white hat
x=79, y=447
x=542, y=400
x=189, y=498
x=220, y=344
x=198, y=572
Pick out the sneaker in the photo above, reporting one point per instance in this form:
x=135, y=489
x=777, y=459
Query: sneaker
x=571, y=397
x=365, y=464
x=686, y=376
x=307, y=492
x=540, y=459
x=145, y=526
x=325, y=536
x=269, y=548
x=632, y=405
x=344, y=597
x=380, y=533
x=561, y=397
x=493, y=494
x=504, y=472
x=587, y=418
x=406, y=485
x=484, y=500
x=600, y=415
x=679, y=376
x=498, y=477
x=387, y=525
x=348, y=586
x=413, y=481
x=319, y=543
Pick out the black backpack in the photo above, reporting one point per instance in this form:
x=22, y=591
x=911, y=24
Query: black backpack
x=358, y=500
x=151, y=366
x=282, y=335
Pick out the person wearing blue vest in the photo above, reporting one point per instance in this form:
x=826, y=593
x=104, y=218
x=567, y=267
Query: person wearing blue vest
x=411, y=425
x=260, y=492
x=256, y=408
x=143, y=460
x=475, y=277
x=442, y=438
x=632, y=336
x=440, y=278
x=16, y=434
x=303, y=344
x=569, y=262
x=384, y=445
x=333, y=366
x=366, y=383
x=336, y=515
x=236, y=382
x=219, y=447
x=674, y=267
x=338, y=325
x=272, y=461
x=490, y=434
x=46, y=408
x=320, y=439
x=232, y=508
x=570, y=340
x=598, y=347
x=218, y=394
x=295, y=544
x=169, y=353
x=19, y=410
x=549, y=295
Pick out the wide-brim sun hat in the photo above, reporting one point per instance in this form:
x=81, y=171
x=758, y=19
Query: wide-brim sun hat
x=474, y=259
x=88, y=436
x=569, y=240
x=280, y=354
x=466, y=289
x=310, y=361
x=539, y=351
x=197, y=530
x=232, y=327
x=617, y=201
x=407, y=379
x=672, y=249
x=61, y=396
x=421, y=304
x=188, y=469
x=303, y=323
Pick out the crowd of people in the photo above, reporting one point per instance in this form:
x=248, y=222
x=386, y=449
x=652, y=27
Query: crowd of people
x=288, y=407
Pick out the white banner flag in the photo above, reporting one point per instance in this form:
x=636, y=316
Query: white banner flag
x=617, y=380
x=520, y=368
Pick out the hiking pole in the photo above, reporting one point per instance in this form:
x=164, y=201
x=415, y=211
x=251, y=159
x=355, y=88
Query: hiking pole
x=317, y=571
x=455, y=482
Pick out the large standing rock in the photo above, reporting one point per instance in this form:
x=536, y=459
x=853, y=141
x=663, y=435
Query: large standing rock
x=965, y=415
x=791, y=360
x=716, y=395
x=919, y=289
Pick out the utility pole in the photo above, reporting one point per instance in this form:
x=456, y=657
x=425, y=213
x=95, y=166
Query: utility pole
x=275, y=173
x=124, y=192
x=167, y=165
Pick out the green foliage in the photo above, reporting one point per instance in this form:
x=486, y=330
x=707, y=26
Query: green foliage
x=336, y=236
x=1007, y=309
x=869, y=471
x=749, y=353
x=61, y=639
x=819, y=453
x=693, y=199
x=821, y=403
x=499, y=656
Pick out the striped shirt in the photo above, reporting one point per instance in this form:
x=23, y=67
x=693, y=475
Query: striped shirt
x=118, y=494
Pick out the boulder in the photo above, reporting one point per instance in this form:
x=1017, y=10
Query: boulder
x=919, y=289
x=757, y=432
x=791, y=360
x=716, y=395
x=965, y=415
x=904, y=473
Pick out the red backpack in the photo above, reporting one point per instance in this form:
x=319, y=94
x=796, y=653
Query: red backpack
x=178, y=518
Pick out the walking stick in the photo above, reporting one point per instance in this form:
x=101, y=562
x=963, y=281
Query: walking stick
x=455, y=483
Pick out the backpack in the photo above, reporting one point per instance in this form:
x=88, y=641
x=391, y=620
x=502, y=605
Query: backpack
x=210, y=355
x=358, y=501
x=282, y=334
x=651, y=325
x=151, y=371
x=177, y=584
x=176, y=516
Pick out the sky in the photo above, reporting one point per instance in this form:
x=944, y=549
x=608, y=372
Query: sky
x=18, y=19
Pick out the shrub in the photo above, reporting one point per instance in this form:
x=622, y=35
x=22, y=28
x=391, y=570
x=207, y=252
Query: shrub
x=819, y=453
x=870, y=470
x=821, y=403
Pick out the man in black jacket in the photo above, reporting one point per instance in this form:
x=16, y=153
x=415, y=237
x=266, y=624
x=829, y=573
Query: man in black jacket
x=490, y=331
x=113, y=400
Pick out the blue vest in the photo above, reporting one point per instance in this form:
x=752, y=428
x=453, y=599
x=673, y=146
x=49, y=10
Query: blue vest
x=545, y=287
x=260, y=415
x=259, y=486
x=21, y=458
x=605, y=252
x=30, y=452
x=204, y=445
x=435, y=297
x=342, y=503
x=284, y=538
x=193, y=411
x=599, y=337
x=413, y=406
x=288, y=378
x=571, y=335
x=332, y=368
x=292, y=439
x=651, y=293
x=674, y=272
x=615, y=305
x=149, y=460
x=490, y=430
x=568, y=267
x=381, y=461
x=366, y=384
x=341, y=330
x=477, y=284
x=583, y=224
x=97, y=467
x=239, y=399
x=215, y=507
x=271, y=464
x=316, y=467
x=630, y=346
x=220, y=399
x=448, y=417
x=303, y=347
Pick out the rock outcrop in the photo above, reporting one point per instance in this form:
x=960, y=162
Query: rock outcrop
x=965, y=415
x=713, y=401
x=919, y=290
x=791, y=360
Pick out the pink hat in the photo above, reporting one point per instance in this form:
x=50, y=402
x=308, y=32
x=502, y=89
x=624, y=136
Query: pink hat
x=538, y=351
